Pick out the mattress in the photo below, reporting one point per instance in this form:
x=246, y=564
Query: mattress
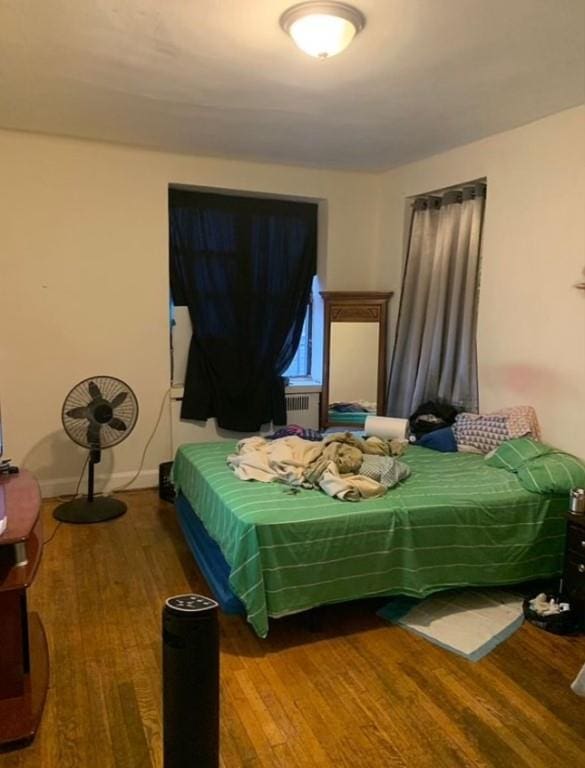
x=209, y=557
x=455, y=522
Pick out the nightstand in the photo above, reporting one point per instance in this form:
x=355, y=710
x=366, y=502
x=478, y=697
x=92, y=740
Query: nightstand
x=574, y=569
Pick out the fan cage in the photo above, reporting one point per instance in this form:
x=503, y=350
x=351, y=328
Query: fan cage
x=80, y=396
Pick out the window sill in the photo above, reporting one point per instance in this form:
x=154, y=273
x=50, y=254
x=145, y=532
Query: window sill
x=303, y=385
x=297, y=387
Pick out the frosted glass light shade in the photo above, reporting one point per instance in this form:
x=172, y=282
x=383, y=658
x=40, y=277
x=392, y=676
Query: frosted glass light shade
x=322, y=29
x=322, y=36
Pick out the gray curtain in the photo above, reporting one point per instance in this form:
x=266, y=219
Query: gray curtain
x=435, y=348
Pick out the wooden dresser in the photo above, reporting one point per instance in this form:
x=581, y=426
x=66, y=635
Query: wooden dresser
x=574, y=570
x=24, y=658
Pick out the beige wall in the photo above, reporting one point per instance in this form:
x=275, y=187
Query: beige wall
x=84, y=280
x=531, y=319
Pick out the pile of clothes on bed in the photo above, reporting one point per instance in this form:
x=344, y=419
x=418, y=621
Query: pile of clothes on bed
x=342, y=465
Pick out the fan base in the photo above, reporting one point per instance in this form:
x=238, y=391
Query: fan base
x=99, y=510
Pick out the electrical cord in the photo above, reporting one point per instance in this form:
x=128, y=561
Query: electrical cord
x=59, y=498
x=52, y=536
x=85, y=463
x=76, y=494
x=147, y=446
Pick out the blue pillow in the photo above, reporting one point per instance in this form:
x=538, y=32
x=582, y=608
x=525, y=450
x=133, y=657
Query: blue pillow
x=439, y=440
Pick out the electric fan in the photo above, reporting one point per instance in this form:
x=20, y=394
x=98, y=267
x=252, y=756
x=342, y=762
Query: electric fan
x=98, y=413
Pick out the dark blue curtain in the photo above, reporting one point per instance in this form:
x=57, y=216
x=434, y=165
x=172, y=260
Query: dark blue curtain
x=244, y=268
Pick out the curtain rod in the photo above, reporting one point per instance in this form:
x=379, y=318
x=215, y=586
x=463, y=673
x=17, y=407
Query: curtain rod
x=457, y=195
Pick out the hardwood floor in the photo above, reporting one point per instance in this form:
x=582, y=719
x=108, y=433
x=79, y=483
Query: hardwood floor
x=358, y=693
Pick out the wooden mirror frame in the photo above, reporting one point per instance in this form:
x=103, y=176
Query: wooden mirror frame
x=355, y=307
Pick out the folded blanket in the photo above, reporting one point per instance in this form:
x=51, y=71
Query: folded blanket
x=484, y=432
x=386, y=470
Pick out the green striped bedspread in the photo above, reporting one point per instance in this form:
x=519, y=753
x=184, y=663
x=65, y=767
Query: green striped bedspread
x=455, y=522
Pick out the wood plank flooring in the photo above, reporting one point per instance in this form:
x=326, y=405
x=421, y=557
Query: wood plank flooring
x=357, y=693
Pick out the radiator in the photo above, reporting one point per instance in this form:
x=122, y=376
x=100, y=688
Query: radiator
x=303, y=409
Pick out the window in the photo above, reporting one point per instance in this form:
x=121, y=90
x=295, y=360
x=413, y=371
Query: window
x=300, y=366
x=243, y=266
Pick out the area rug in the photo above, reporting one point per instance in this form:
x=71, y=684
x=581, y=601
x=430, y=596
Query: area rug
x=468, y=622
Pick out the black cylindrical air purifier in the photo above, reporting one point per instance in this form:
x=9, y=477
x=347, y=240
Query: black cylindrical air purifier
x=190, y=682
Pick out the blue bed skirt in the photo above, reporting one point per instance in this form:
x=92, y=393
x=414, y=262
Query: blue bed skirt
x=209, y=557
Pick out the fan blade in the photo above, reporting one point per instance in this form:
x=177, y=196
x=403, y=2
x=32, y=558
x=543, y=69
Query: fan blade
x=77, y=413
x=117, y=424
x=93, y=435
x=119, y=399
x=94, y=390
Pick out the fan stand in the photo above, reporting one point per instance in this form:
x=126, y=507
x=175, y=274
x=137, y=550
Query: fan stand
x=90, y=509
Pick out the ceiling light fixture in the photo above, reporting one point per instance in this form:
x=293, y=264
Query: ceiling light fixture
x=322, y=29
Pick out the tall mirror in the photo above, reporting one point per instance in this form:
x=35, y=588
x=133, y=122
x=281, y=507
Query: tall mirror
x=354, y=365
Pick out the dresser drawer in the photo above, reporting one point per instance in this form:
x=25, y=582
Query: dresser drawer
x=574, y=577
x=576, y=540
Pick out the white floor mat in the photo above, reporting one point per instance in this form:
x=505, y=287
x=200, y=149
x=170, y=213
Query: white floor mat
x=468, y=622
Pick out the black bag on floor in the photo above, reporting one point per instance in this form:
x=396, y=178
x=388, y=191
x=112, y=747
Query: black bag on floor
x=430, y=416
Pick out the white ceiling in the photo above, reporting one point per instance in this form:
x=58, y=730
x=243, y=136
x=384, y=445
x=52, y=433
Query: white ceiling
x=219, y=77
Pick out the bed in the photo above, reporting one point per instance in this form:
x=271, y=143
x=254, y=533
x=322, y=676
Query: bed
x=455, y=522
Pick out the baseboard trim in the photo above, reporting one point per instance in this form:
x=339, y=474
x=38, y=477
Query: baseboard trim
x=65, y=486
